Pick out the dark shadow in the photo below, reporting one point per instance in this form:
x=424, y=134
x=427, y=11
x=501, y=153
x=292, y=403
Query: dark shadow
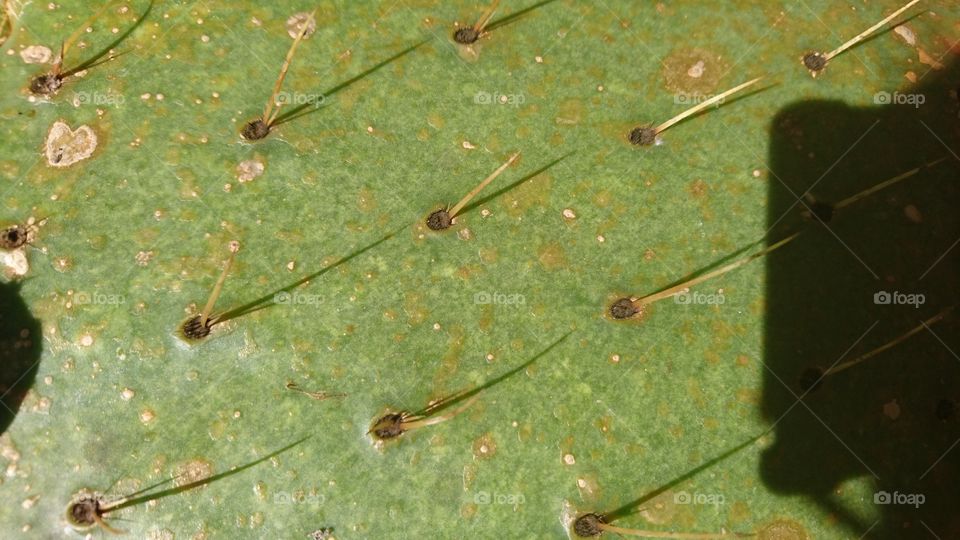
x=141, y=496
x=457, y=398
x=888, y=423
x=313, y=105
x=636, y=505
x=20, y=348
x=512, y=185
x=271, y=298
x=98, y=58
x=513, y=17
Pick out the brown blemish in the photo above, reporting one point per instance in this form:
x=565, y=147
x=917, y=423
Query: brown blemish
x=485, y=447
x=660, y=509
x=552, y=256
x=698, y=188
x=693, y=73
x=192, y=471
x=365, y=200
x=783, y=529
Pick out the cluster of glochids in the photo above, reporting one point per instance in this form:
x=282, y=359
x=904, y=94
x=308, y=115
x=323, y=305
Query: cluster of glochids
x=89, y=509
x=19, y=235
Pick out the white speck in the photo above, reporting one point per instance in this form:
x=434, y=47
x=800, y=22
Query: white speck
x=696, y=71
x=757, y=173
x=143, y=257
x=29, y=502
x=86, y=340
x=159, y=97
x=205, y=38
x=615, y=358
x=489, y=357
x=127, y=394
x=468, y=145
x=147, y=416
x=36, y=54
x=436, y=326
x=291, y=265
x=600, y=88
x=15, y=262
x=569, y=214
x=296, y=22
x=248, y=170
x=601, y=238
x=907, y=34
x=569, y=459
x=485, y=213
x=539, y=59
x=581, y=483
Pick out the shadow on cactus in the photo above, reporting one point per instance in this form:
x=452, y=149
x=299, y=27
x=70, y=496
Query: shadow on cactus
x=20, y=348
x=841, y=301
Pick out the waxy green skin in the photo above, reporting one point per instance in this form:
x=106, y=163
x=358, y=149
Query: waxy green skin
x=149, y=215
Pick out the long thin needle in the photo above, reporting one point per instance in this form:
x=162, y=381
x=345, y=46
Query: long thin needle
x=860, y=37
x=701, y=106
x=463, y=202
